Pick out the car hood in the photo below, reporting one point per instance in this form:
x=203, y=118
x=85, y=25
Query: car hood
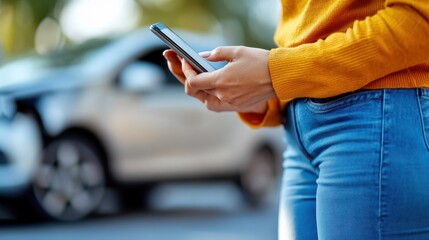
x=20, y=85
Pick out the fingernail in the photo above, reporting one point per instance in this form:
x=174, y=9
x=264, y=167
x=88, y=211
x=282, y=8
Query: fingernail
x=205, y=54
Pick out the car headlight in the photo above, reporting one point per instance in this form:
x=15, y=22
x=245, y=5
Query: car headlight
x=7, y=107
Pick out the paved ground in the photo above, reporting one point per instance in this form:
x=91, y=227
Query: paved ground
x=181, y=212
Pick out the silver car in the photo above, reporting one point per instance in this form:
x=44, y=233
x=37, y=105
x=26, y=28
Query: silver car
x=110, y=115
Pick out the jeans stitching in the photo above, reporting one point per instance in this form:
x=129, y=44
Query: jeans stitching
x=343, y=101
x=297, y=134
x=380, y=197
x=425, y=136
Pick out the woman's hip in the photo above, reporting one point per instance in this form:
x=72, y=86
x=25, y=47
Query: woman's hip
x=369, y=150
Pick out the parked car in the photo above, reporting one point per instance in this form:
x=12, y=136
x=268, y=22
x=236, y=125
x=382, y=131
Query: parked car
x=18, y=164
x=110, y=115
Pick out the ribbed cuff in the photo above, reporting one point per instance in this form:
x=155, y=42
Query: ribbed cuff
x=271, y=118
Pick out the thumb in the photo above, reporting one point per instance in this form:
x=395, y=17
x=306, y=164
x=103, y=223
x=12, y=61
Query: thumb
x=220, y=54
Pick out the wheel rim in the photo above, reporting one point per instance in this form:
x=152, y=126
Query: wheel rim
x=69, y=183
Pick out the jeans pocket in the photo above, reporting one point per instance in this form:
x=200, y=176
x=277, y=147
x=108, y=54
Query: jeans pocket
x=320, y=105
x=424, y=112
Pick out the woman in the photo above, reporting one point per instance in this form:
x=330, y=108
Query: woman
x=350, y=83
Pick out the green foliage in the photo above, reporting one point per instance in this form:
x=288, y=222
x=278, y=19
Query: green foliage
x=19, y=19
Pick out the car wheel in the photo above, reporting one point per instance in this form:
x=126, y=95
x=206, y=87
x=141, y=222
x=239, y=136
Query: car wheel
x=70, y=181
x=257, y=179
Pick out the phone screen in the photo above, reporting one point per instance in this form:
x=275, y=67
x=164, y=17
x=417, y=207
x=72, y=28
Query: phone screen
x=181, y=47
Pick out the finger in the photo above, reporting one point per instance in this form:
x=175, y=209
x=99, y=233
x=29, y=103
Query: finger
x=214, y=104
x=211, y=80
x=191, y=91
x=187, y=70
x=171, y=52
x=171, y=55
x=220, y=54
x=200, y=95
x=168, y=52
x=204, y=81
x=174, y=65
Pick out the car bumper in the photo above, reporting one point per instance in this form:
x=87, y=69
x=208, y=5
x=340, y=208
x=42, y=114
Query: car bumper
x=20, y=148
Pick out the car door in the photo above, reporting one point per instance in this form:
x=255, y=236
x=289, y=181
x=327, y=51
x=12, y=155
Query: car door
x=161, y=132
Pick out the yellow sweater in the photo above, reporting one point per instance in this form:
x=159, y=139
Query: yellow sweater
x=329, y=47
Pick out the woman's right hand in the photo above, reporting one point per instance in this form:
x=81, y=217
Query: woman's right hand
x=180, y=69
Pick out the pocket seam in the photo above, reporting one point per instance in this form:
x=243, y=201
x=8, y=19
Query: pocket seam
x=423, y=122
x=342, y=102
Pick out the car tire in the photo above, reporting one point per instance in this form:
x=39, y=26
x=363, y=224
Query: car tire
x=70, y=182
x=257, y=179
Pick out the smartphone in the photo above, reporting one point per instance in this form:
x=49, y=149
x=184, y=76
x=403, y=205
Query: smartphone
x=181, y=48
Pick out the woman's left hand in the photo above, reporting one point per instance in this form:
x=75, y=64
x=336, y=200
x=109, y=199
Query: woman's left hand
x=244, y=82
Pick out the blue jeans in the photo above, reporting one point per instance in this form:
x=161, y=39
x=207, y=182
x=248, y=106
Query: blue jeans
x=357, y=167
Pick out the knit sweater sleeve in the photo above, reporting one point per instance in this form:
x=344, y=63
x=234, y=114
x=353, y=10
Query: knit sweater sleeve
x=271, y=118
x=393, y=39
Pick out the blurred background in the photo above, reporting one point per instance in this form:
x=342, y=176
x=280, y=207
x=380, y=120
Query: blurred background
x=98, y=140
x=47, y=25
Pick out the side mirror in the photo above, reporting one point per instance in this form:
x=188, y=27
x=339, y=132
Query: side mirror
x=142, y=77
